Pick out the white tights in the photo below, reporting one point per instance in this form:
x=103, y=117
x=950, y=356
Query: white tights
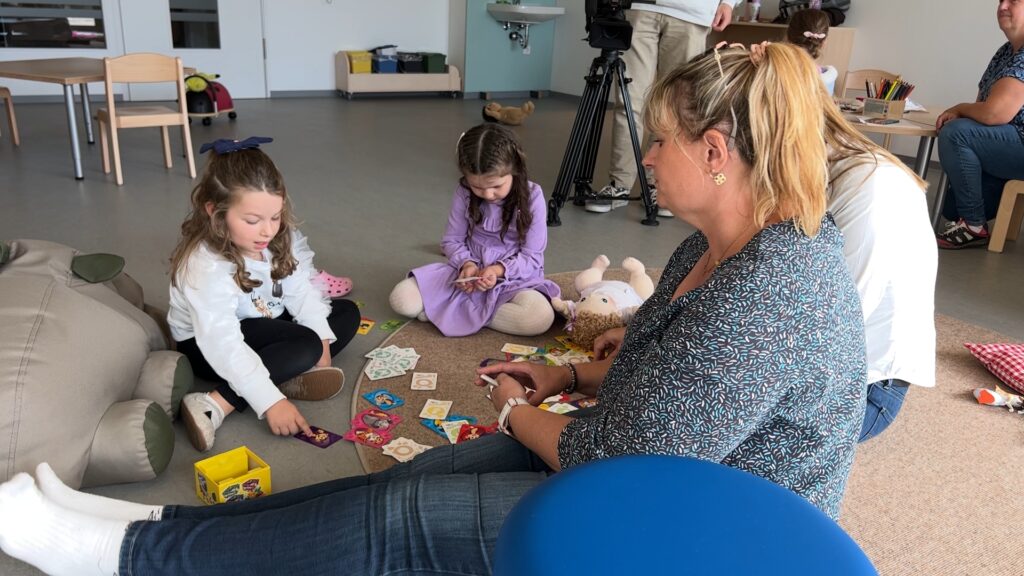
x=528, y=313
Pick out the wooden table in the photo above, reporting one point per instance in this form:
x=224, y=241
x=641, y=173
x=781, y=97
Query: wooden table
x=67, y=72
x=922, y=125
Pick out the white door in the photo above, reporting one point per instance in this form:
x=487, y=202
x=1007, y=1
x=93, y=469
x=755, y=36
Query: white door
x=236, y=25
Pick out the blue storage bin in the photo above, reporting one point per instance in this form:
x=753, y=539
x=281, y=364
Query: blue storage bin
x=385, y=64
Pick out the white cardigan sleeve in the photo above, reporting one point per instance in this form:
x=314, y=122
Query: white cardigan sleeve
x=212, y=294
x=303, y=301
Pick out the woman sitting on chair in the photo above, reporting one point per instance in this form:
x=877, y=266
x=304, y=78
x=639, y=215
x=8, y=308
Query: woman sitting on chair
x=750, y=353
x=981, y=144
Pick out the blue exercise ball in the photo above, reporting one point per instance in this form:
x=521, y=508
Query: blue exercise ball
x=670, y=515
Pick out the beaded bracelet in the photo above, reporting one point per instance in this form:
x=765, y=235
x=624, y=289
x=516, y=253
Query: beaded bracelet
x=573, y=379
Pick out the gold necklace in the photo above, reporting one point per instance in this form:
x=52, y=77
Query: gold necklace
x=718, y=262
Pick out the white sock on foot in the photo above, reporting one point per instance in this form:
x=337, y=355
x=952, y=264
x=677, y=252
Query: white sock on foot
x=56, y=540
x=91, y=504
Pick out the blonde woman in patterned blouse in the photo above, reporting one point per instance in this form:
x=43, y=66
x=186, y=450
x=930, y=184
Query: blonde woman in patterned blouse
x=750, y=353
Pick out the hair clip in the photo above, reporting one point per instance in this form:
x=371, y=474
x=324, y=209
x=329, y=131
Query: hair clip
x=225, y=145
x=809, y=34
x=758, y=51
x=718, y=57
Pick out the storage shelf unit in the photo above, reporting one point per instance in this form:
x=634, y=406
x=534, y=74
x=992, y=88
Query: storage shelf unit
x=349, y=84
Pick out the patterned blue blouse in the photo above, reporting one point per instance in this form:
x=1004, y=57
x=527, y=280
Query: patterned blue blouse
x=1005, y=64
x=762, y=368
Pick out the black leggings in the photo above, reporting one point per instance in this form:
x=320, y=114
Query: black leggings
x=287, y=349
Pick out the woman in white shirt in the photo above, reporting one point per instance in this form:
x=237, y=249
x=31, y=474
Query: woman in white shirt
x=879, y=205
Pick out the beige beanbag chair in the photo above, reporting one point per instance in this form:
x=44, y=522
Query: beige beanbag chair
x=87, y=382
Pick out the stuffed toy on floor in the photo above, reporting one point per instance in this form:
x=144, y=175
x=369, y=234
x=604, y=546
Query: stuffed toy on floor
x=494, y=112
x=87, y=382
x=603, y=304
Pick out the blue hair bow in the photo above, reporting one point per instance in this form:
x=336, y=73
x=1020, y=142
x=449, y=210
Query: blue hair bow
x=225, y=145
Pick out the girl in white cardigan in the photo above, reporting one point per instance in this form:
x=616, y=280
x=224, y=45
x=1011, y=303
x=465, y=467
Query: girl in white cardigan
x=242, y=307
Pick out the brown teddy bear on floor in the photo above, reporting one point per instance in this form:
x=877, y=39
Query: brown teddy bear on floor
x=494, y=112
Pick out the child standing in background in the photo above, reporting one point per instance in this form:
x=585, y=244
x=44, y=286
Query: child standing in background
x=809, y=30
x=494, y=243
x=243, y=309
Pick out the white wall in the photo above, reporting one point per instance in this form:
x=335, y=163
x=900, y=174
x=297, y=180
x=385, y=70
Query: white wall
x=572, y=55
x=303, y=35
x=942, y=47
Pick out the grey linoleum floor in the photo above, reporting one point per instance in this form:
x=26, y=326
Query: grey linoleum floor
x=371, y=180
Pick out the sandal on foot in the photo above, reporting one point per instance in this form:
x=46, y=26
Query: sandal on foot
x=332, y=286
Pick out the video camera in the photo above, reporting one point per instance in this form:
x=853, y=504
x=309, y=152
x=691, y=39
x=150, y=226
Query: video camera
x=607, y=27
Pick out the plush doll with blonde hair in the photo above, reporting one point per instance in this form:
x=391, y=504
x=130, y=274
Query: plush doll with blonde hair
x=603, y=304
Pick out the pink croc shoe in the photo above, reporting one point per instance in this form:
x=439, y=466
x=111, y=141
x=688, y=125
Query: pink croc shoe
x=332, y=286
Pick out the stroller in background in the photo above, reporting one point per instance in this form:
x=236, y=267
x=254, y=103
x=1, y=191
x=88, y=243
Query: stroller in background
x=207, y=99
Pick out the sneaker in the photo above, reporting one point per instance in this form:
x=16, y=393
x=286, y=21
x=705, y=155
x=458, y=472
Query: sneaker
x=202, y=417
x=662, y=212
x=315, y=384
x=607, y=199
x=957, y=235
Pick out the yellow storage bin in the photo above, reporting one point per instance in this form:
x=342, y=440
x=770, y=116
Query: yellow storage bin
x=359, y=62
x=234, y=475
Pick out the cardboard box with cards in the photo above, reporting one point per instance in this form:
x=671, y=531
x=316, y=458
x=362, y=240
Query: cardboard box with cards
x=231, y=476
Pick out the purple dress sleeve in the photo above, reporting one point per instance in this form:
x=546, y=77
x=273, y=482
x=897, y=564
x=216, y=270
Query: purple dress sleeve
x=454, y=241
x=528, y=261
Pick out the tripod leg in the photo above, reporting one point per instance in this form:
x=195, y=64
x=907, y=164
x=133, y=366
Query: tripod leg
x=578, y=138
x=585, y=174
x=650, y=208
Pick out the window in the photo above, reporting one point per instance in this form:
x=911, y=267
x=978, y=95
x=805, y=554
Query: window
x=195, y=24
x=52, y=24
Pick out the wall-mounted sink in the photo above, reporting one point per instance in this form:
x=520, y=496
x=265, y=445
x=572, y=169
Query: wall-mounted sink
x=523, y=14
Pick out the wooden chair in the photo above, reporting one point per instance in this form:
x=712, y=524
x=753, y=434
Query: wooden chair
x=1009, y=217
x=855, y=81
x=5, y=95
x=139, y=68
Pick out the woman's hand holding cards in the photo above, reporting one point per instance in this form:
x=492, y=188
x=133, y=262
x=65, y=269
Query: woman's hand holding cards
x=538, y=381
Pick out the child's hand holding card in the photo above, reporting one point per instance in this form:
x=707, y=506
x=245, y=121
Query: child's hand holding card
x=321, y=438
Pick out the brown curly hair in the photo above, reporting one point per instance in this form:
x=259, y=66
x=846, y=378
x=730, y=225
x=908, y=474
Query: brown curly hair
x=225, y=178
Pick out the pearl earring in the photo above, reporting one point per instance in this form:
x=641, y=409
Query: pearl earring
x=719, y=178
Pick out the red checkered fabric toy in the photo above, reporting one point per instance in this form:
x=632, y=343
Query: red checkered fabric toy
x=1006, y=361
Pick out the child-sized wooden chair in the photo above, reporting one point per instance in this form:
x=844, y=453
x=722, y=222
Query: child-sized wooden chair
x=5, y=95
x=1009, y=217
x=139, y=68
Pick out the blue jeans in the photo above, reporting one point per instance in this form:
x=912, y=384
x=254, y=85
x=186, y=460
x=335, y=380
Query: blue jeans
x=978, y=159
x=885, y=398
x=438, y=514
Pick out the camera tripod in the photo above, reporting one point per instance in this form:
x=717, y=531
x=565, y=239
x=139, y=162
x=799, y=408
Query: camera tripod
x=577, y=168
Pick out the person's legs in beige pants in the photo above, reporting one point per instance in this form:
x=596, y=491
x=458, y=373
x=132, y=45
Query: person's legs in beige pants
x=660, y=44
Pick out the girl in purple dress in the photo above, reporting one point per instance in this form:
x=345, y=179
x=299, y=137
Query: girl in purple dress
x=494, y=243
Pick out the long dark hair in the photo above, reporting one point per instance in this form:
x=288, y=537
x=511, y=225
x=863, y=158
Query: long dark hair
x=225, y=178
x=492, y=149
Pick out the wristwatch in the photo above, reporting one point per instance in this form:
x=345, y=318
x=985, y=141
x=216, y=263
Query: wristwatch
x=506, y=412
